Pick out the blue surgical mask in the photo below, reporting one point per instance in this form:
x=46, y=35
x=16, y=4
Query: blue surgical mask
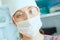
x=7, y=29
x=4, y=16
x=2, y=19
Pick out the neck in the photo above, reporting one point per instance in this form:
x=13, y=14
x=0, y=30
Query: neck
x=38, y=36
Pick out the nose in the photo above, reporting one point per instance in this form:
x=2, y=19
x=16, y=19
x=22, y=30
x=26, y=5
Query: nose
x=27, y=14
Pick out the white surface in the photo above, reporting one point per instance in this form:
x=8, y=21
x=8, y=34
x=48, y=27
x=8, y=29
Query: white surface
x=0, y=2
x=55, y=8
x=50, y=14
x=51, y=20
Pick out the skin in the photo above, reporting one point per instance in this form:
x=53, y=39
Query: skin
x=25, y=14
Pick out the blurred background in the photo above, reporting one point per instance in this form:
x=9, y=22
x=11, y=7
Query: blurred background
x=50, y=16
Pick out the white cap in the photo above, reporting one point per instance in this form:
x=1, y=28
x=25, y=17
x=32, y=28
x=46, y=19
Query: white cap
x=15, y=5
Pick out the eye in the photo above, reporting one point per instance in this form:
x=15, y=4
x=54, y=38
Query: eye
x=32, y=11
x=19, y=14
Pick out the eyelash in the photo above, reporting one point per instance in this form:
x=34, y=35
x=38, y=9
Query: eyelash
x=19, y=15
x=32, y=11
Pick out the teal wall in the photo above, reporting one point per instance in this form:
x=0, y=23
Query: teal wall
x=45, y=5
x=49, y=3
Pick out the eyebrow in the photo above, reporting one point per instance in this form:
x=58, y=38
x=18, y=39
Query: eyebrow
x=30, y=7
x=16, y=12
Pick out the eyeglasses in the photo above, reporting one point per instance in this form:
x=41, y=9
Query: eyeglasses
x=30, y=10
x=24, y=13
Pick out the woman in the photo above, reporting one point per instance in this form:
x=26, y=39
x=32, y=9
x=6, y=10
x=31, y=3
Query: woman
x=26, y=17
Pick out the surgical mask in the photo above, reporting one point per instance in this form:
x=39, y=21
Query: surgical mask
x=30, y=27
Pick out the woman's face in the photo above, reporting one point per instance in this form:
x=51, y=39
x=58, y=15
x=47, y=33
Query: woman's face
x=25, y=13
